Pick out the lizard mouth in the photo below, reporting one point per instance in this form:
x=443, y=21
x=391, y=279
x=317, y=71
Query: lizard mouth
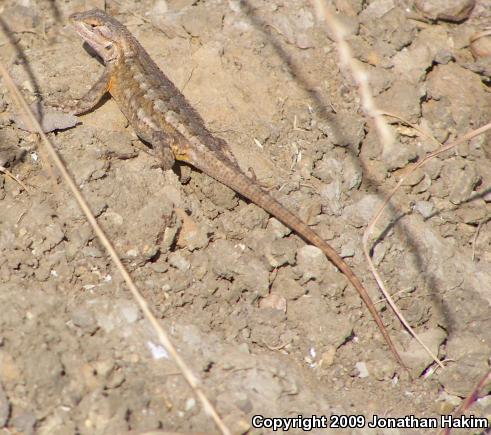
x=92, y=36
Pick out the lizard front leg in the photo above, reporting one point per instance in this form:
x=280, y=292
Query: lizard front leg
x=94, y=95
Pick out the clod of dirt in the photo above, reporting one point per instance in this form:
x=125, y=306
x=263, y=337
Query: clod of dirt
x=448, y=10
x=416, y=358
x=119, y=314
x=311, y=262
x=278, y=252
x=461, y=377
x=331, y=197
x=464, y=184
x=179, y=261
x=84, y=319
x=278, y=228
x=414, y=61
x=274, y=301
x=285, y=285
x=447, y=402
x=381, y=368
x=450, y=86
x=398, y=155
x=247, y=272
x=24, y=421
x=219, y=194
x=322, y=328
x=403, y=99
x=360, y=212
x=343, y=129
x=424, y=208
x=296, y=29
x=89, y=167
x=327, y=169
x=474, y=214
x=9, y=151
x=387, y=25
x=192, y=236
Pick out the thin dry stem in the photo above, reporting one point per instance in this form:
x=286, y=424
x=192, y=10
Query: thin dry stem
x=371, y=226
x=12, y=176
x=414, y=126
x=161, y=334
x=480, y=35
x=359, y=75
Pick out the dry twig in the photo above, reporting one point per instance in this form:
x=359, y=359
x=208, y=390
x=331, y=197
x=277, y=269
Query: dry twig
x=12, y=176
x=359, y=75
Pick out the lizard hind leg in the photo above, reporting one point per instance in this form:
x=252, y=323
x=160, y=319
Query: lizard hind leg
x=166, y=157
x=161, y=143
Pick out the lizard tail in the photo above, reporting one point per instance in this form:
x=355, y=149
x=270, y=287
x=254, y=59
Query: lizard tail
x=233, y=178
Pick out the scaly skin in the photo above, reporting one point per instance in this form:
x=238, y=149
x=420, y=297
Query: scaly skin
x=161, y=116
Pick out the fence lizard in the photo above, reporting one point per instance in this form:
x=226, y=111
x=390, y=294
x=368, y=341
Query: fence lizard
x=160, y=115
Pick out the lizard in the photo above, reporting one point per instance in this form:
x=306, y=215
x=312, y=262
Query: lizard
x=161, y=116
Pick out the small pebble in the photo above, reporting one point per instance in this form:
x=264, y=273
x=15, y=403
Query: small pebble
x=424, y=208
x=362, y=369
x=179, y=262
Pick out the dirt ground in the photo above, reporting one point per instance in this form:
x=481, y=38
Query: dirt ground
x=76, y=356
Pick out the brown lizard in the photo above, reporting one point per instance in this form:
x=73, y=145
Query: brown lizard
x=162, y=116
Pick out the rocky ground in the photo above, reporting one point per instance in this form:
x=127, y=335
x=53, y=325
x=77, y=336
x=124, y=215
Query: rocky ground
x=266, y=322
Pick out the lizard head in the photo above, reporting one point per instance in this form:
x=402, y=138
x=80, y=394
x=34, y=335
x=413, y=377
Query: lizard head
x=104, y=34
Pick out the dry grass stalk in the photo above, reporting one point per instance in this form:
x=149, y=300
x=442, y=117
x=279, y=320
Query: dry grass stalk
x=13, y=177
x=360, y=77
